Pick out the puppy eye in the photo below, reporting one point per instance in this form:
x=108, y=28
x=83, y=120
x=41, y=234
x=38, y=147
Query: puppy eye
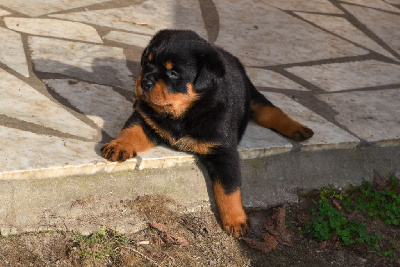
x=173, y=74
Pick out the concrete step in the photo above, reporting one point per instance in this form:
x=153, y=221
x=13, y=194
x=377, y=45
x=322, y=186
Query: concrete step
x=88, y=203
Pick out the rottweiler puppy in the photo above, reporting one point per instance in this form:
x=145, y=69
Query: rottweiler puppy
x=196, y=97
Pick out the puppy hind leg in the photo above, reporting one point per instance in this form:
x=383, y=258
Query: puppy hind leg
x=269, y=116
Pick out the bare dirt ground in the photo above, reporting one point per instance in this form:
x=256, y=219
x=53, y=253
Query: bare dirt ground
x=195, y=239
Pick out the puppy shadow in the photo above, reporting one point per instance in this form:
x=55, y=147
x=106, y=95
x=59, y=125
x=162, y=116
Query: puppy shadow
x=103, y=97
x=210, y=191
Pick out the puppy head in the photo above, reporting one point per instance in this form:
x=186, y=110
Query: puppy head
x=178, y=67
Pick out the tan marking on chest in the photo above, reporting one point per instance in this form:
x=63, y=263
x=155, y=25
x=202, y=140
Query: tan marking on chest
x=186, y=143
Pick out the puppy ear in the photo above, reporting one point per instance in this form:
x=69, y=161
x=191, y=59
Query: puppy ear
x=210, y=72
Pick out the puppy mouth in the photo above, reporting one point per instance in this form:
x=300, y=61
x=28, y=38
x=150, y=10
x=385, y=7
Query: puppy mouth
x=148, y=99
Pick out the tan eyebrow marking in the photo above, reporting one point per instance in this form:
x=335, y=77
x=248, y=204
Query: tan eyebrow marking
x=169, y=65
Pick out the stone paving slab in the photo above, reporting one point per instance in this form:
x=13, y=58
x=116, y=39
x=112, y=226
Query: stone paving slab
x=372, y=115
x=4, y=12
x=21, y=101
x=95, y=101
x=270, y=42
x=267, y=78
x=350, y=75
x=67, y=72
x=12, y=54
x=344, y=29
x=146, y=18
x=371, y=18
x=128, y=38
x=94, y=63
x=45, y=27
x=320, y=6
x=41, y=7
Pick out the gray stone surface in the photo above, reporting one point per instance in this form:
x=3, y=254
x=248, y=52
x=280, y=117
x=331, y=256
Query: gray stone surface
x=163, y=157
x=128, y=38
x=349, y=75
x=146, y=18
x=45, y=27
x=93, y=63
x=343, y=28
x=374, y=4
x=105, y=107
x=31, y=152
x=12, y=53
x=261, y=142
x=267, y=78
x=323, y=6
x=395, y=2
x=4, y=12
x=372, y=115
x=372, y=18
x=19, y=100
x=34, y=8
x=279, y=38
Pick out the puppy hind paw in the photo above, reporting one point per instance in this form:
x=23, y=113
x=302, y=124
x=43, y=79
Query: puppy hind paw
x=301, y=134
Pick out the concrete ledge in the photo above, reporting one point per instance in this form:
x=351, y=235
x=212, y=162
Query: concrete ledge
x=91, y=202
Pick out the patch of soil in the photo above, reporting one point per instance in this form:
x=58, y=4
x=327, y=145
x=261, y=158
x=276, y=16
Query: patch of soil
x=193, y=239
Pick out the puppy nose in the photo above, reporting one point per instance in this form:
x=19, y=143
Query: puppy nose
x=146, y=84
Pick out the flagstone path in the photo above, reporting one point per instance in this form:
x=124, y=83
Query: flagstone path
x=67, y=72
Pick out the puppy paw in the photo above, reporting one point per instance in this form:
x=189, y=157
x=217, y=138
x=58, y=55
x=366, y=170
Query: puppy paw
x=117, y=151
x=129, y=142
x=236, y=226
x=302, y=133
x=233, y=217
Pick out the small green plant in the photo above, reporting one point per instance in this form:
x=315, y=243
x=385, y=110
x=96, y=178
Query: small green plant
x=328, y=221
x=329, y=215
x=380, y=204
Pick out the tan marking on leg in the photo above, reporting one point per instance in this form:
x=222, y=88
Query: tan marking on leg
x=231, y=212
x=276, y=119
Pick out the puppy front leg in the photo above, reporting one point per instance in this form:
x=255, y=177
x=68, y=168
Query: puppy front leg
x=132, y=139
x=224, y=172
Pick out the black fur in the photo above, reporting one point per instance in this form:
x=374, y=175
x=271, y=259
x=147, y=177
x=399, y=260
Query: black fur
x=221, y=113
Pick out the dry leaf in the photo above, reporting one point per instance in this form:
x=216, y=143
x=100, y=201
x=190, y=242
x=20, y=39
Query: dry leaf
x=255, y=244
x=337, y=204
x=270, y=240
x=181, y=241
x=160, y=227
x=167, y=238
x=276, y=226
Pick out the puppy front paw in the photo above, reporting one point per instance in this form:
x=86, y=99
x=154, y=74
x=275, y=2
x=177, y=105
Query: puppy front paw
x=230, y=208
x=236, y=225
x=129, y=142
x=117, y=151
